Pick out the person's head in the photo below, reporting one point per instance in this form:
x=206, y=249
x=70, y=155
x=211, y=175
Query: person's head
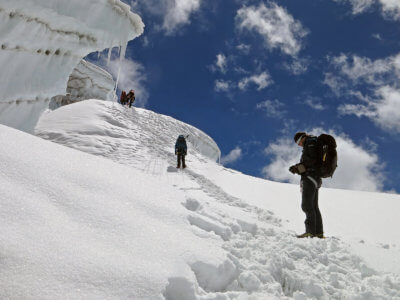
x=299, y=138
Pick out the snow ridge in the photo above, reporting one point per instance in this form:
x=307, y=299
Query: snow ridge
x=127, y=133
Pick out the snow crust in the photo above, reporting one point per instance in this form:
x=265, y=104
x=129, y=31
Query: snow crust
x=42, y=41
x=232, y=234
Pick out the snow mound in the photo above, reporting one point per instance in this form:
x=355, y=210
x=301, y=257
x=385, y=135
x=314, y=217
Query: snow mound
x=42, y=42
x=112, y=130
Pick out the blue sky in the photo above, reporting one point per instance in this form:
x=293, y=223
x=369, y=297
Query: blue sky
x=252, y=73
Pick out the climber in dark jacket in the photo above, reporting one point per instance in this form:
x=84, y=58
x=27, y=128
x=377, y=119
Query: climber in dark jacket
x=130, y=98
x=181, y=151
x=308, y=169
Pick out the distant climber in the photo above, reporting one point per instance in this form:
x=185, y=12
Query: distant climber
x=181, y=151
x=308, y=169
x=123, y=98
x=131, y=97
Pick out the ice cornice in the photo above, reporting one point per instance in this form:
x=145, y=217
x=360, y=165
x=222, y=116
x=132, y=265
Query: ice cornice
x=42, y=41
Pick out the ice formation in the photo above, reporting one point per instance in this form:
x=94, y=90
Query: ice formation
x=42, y=41
x=87, y=81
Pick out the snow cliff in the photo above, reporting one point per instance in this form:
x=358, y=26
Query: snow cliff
x=41, y=42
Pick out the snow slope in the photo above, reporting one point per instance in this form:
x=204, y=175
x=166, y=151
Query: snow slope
x=232, y=234
x=42, y=41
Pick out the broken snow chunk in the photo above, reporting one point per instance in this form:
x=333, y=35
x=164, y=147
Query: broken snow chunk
x=248, y=227
x=215, y=278
x=249, y=281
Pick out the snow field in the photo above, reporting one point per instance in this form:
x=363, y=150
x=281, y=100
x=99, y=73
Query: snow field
x=261, y=258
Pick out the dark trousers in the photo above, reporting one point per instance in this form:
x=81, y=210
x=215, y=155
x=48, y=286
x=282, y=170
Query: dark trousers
x=181, y=157
x=309, y=205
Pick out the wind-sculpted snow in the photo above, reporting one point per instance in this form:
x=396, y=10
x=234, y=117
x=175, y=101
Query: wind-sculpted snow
x=230, y=211
x=42, y=41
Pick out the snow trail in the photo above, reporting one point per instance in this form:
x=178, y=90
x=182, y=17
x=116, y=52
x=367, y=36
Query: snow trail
x=263, y=258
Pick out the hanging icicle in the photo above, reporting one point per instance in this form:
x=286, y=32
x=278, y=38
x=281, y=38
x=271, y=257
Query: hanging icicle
x=122, y=53
x=109, y=56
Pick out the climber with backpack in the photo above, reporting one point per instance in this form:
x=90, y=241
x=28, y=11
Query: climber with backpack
x=130, y=98
x=181, y=151
x=318, y=160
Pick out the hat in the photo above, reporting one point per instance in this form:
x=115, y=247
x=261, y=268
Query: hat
x=298, y=136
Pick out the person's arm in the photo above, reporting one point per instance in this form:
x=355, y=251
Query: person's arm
x=176, y=146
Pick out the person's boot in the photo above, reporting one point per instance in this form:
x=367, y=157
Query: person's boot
x=319, y=235
x=305, y=235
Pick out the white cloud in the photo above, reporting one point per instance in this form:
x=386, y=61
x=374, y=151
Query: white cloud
x=273, y=108
x=314, y=103
x=358, y=168
x=178, y=14
x=384, y=111
x=297, y=66
x=232, y=157
x=380, y=82
x=222, y=86
x=221, y=64
x=358, y=6
x=245, y=49
x=364, y=70
x=335, y=83
x=389, y=8
x=377, y=36
x=278, y=28
x=174, y=13
x=262, y=80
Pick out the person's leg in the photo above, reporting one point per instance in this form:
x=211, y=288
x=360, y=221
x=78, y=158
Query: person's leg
x=179, y=160
x=318, y=222
x=307, y=205
x=183, y=161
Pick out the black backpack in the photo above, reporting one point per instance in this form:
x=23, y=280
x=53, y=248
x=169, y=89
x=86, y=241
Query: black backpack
x=181, y=144
x=328, y=162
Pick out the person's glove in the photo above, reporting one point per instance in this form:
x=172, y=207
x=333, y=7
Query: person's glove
x=293, y=169
x=301, y=168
